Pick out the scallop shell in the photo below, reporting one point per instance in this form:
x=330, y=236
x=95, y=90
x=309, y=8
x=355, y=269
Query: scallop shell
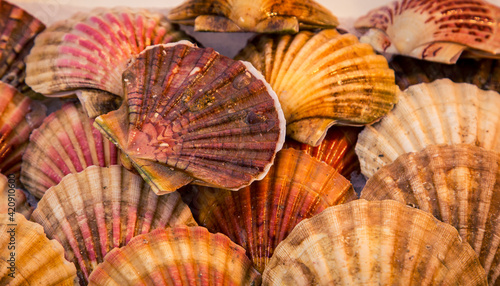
x=90, y=51
x=433, y=30
x=441, y=112
x=374, y=243
x=12, y=199
x=323, y=79
x=264, y=16
x=37, y=260
x=65, y=143
x=99, y=209
x=192, y=115
x=458, y=184
x=177, y=256
x=19, y=115
x=260, y=216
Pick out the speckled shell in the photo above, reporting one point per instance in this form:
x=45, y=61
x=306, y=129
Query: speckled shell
x=99, y=209
x=434, y=30
x=65, y=143
x=38, y=260
x=441, y=112
x=12, y=199
x=458, y=184
x=90, y=51
x=323, y=79
x=374, y=243
x=19, y=115
x=177, y=256
x=192, y=115
x=260, y=216
x=260, y=16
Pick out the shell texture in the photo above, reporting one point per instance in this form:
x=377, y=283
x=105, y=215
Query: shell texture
x=458, y=184
x=102, y=208
x=90, y=51
x=261, y=215
x=12, y=199
x=192, y=115
x=65, y=143
x=434, y=30
x=374, y=243
x=19, y=115
x=260, y=16
x=37, y=260
x=323, y=79
x=441, y=112
x=177, y=256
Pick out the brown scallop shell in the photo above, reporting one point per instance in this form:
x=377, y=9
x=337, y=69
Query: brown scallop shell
x=65, y=143
x=458, y=184
x=99, y=209
x=192, y=115
x=12, y=199
x=261, y=215
x=374, y=243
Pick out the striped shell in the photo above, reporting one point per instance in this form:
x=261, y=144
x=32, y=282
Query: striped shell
x=323, y=79
x=99, y=209
x=192, y=115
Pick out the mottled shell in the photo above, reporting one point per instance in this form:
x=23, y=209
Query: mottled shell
x=19, y=115
x=65, y=143
x=177, y=256
x=192, y=115
x=434, y=30
x=441, y=112
x=90, y=51
x=260, y=16
x=12, y=198
x=38, y=260
x=374, y=243
x=99, y=209
x=260, y=216
x=458, y=184
x=323, y=79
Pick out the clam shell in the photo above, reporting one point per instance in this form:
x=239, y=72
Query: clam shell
x=261, y=16
x=192, y=115
x=433, y=30
x=323, y=79
x=65, y=143
x=19, y=115
x=177, y=256
x=441, y=112
x=373, y=243
x=261, y=215
x=99, y=209
x=12, y=199
x=91, y=50
x=458, y=184
x=38, y=260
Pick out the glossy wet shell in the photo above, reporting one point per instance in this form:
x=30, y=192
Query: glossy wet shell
x=99, y=209
x=192, y=115
x=323, y=79
x=65, y=143
x=374, y=243
x=177, y=256
x=434, y=30
x=12, y=198
x=458, y=184
x=38, y=260
x=260, y=16
x=441, y=112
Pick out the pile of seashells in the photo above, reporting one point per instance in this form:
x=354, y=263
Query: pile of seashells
x=167, y=163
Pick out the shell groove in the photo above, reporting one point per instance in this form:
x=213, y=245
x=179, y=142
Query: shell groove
x=191, y=114
x=323, y=79
x=65, y=143
x=177, y=256
x=441, y=112
x=373, y=243
x=99, y=209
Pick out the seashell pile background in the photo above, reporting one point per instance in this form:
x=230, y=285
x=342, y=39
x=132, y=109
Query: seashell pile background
x=250, y=142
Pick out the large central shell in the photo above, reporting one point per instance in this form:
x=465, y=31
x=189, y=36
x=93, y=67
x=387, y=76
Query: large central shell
x=191, y=114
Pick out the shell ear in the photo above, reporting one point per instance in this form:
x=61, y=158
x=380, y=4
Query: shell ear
x=212, y=23
x=278, y=24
